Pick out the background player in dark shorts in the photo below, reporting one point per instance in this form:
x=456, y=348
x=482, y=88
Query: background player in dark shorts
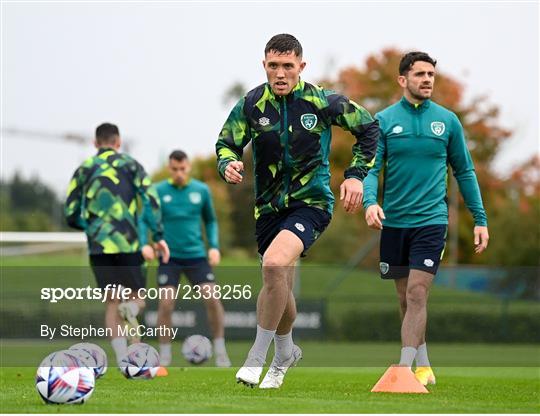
x=186, y=205
x=100, y=198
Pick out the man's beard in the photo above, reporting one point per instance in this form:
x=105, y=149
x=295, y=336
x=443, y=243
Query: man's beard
x=417, y=96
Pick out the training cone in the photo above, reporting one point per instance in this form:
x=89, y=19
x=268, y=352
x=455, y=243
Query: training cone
x=162, y=372
x=398, y=379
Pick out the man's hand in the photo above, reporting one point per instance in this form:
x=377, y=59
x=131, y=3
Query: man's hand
x=351, y=192
x=481, y=238
x=233, y=172
x=374, y=217
x=214, y=257
x=162, y=247
x=148, y=252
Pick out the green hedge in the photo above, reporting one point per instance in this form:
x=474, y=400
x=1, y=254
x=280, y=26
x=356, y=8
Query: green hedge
x=443, y=325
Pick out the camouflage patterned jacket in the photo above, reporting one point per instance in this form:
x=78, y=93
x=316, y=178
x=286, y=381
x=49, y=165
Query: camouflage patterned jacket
x=291, y=143
x=102, y=201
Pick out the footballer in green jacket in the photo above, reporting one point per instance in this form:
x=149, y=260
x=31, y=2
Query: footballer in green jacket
x=418, y=140
x=288, y=123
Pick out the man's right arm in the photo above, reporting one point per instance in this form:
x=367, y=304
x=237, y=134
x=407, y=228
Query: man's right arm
x=73, y=204
x=371, y=182
x=234, y=136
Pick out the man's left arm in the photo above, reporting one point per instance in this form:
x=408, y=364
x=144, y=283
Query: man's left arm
x=462, y=165
x=150, y=200
x=211, y=228
x=74, y=201
x=354, y=118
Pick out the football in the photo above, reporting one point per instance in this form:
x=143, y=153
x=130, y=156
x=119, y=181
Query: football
x=197, y=349
x=62, y=379
x=141, y=362
x=92, y=356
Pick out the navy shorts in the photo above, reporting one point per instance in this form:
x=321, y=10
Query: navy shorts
x=124, y=269
x=307, y=223
x=419, y=248
x=197, y=271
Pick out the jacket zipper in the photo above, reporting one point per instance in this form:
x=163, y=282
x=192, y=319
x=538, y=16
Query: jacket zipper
x=285, y=131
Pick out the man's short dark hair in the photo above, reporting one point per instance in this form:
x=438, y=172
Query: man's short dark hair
x=408, y=60
x=178, y=155
x=107, y=133
x=283, y=43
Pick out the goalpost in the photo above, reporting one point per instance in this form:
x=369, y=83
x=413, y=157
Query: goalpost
x=24, y=243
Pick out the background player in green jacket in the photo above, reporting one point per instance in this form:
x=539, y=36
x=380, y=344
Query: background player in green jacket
x=102, y=201
x=419, y=138
x=186, y=204
x=288, y=122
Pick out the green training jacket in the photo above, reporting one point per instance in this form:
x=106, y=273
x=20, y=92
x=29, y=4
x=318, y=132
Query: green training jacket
x=102, y=201
x=184, y=209
x=417, y=143
x=291, y=142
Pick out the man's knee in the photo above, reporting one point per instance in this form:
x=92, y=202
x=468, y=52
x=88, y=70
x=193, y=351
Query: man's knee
x=275, y=270
x=276, y=259
x=416, y=296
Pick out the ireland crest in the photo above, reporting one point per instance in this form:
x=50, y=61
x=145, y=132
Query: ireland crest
x=309, y=121
x=437, y=127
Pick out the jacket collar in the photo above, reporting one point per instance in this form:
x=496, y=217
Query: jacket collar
x=415, y=108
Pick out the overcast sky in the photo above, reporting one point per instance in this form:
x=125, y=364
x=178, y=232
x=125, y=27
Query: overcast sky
x=160, y=69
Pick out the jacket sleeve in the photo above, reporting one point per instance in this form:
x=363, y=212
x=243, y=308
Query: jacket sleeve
x=234, y=136
x=74, y=200
x=210, y=221
x=150, y=201
x=462, y=165
x=371, y=182
x=143, y=224
x=354, y=118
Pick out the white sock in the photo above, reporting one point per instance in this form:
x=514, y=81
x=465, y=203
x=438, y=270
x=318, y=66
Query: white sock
x=283, y=345
x=120, y=347
x=407, y=356
x=219, y=346
x=165, y=349
x=260, y=347
x=133, y=307
x=421, y=358
x=165, y=354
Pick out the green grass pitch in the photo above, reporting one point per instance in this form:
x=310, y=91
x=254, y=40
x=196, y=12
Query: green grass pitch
x=492, y=388
x=333, y=377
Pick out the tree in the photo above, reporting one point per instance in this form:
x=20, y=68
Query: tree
x=29, y=205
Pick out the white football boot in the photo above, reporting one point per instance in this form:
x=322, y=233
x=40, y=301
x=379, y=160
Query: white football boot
x=250, y=373
x=276, y=373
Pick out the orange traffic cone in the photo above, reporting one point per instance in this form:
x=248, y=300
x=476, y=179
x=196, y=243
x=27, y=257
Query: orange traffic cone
x=398, y=379
x=162, y=372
